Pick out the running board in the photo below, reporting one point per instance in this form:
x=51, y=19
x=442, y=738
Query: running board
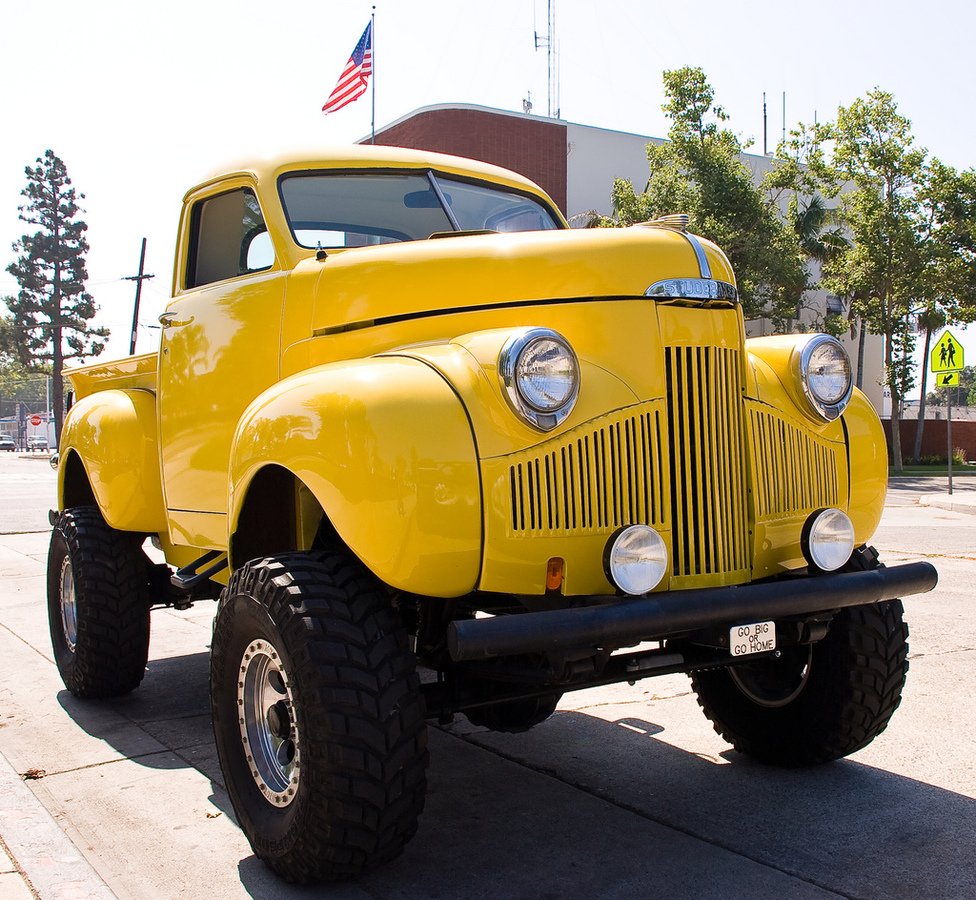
x=189, y=576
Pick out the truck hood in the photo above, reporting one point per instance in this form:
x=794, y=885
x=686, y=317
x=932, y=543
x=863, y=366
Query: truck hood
x=367, y=285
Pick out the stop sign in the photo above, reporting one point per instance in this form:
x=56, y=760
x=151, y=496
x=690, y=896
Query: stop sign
x=35, y=420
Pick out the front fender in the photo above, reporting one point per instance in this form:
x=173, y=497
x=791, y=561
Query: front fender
x=858, y=429
x=114, y=435
x=385, y=446
x=868, y=465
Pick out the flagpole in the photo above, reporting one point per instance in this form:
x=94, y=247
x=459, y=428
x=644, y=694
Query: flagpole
x=372, y=30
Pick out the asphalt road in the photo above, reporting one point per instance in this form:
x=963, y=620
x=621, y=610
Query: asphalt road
x=625, y=791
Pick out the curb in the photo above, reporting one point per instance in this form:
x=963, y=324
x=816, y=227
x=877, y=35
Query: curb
x=48, y=862
x=964, y=503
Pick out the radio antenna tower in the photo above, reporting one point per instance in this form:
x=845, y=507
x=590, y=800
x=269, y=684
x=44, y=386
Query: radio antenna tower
x=552, y=58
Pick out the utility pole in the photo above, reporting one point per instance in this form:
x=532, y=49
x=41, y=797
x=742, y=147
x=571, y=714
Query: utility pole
x=138, y=279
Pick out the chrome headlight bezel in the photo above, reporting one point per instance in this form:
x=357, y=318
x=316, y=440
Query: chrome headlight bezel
x=512, y=355
x=635, y=559
x=827, y=408
x=827, y=539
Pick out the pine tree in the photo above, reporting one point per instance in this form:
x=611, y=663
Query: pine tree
x=52, y=310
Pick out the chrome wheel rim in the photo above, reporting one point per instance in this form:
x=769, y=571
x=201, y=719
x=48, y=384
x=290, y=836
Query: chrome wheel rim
x=774, y=683
x=269, y=732
x=69, y=607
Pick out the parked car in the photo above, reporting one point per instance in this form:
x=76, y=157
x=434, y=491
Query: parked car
x=402, y=414
x=7, y=443
x=36, y=442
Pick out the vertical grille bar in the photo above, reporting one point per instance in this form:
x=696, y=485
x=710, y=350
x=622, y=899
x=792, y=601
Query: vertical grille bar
x=738, y=498
x=795, y=471
x=708, y=509
x=597, y=478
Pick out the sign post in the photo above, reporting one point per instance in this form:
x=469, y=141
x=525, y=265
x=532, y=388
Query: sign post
x=946, y=361
x=949, y=436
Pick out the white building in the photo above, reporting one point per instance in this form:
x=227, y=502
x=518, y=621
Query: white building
x=576, y=165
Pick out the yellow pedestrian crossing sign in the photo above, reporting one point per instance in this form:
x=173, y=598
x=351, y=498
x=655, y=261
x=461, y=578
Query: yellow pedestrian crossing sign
x=947, y=355
x=947, y=379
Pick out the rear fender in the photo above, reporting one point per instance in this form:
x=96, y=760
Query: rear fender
x=385, y=446
x=113, y=433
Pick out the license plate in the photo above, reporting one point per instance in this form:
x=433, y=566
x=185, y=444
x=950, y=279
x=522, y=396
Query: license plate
x=757, y=637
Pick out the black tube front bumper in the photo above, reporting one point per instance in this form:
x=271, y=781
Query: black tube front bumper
x=623, y=622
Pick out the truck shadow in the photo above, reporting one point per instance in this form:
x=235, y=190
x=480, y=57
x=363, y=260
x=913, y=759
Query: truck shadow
x=582, y=806
x=171, y=708
x=610, y=808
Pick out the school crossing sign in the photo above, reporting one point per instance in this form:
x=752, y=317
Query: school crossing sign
x=946, y=356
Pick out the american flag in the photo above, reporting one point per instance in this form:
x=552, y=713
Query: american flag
x=352, y=81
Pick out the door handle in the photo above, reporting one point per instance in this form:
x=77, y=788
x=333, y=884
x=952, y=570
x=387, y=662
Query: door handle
x=169, y=320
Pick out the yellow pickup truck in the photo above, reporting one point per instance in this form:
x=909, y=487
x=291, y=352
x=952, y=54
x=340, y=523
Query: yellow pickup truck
x=403, y=421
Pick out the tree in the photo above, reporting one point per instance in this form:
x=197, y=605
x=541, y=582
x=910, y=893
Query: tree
x=7, y=331
x=699, y=171
x=17, y=384
x=52, y=310
x=798, y=184
x=885, y=266
x=820, y=240
x=948, y=199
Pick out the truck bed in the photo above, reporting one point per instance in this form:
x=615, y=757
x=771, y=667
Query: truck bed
x=129, y=373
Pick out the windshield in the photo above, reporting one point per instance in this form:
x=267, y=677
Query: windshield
x=331, y=210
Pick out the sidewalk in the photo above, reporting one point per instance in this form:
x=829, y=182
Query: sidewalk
x=629, y=786
x=37, y=860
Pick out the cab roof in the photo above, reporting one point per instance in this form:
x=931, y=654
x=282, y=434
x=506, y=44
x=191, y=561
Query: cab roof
x=366, y=156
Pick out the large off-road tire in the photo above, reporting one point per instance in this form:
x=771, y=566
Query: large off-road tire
x=818, y=702
x=98, y=604
x=318, y=716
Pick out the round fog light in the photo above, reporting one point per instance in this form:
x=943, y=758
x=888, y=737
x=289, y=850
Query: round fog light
x=829, y=539
x=636, y=559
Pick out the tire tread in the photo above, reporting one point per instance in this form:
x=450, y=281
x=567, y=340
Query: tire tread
x=112, y=587
x=365, y=738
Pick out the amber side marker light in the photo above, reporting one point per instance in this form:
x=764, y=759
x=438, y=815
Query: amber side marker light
x=554, y=574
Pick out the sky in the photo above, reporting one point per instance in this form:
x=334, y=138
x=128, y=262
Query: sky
x=142, y=100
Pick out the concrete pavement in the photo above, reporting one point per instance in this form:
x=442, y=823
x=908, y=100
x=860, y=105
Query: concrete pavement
x=623, y=792
x=963, y=501
x=41, y=860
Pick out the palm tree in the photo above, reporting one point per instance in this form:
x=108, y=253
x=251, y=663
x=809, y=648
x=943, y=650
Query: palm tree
x=930, y=319
x=819, y=237
x=816, y=240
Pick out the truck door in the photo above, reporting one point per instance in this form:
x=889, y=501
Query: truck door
x=219, y=350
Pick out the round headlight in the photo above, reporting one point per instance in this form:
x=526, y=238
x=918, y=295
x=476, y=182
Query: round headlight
x=636, y=559
x=540, y=374
x=825, y=373
x=828, y=540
